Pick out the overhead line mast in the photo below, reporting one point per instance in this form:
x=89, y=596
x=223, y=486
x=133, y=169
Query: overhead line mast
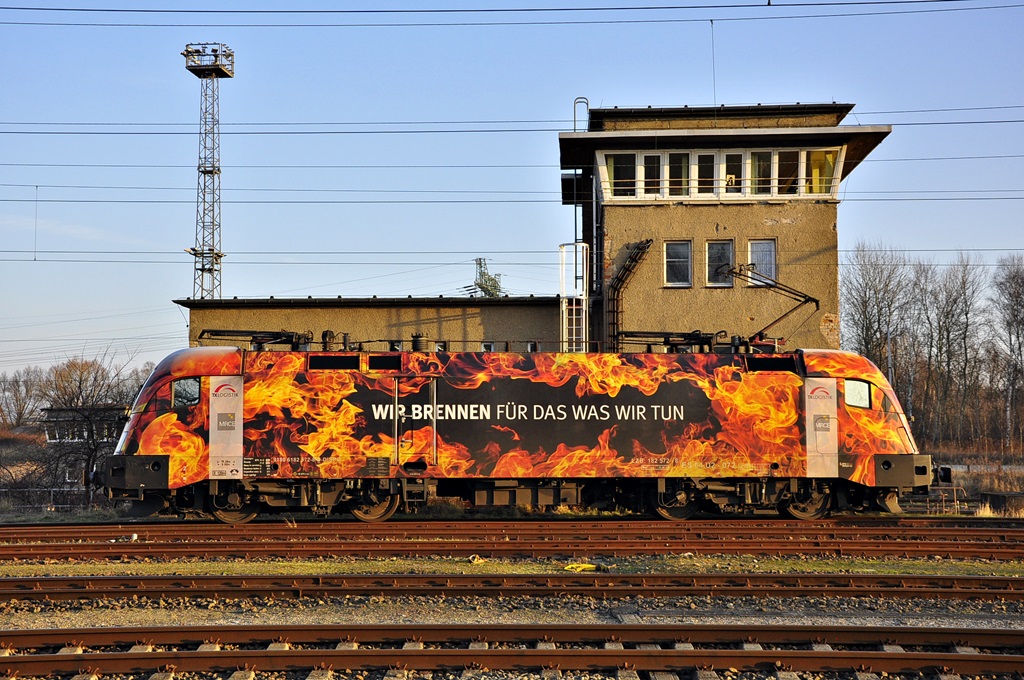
x=208, y=62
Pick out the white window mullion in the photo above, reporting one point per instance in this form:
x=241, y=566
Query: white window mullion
x=801, y=174
x=839, y=171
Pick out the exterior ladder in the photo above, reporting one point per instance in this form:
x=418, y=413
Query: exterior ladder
x=636, y=255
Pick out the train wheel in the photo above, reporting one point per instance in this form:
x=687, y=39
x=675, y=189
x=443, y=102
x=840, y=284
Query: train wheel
x=678, y=506
x=807, y=503
x=232, y=508
x=373, y=510
x=241, y=515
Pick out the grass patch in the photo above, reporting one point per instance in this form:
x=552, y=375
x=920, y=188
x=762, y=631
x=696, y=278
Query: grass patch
x=985, y=510
x=832, y=565
x=44, y=516
x=655, y=564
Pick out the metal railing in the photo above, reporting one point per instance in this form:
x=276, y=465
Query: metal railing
x=52, y=500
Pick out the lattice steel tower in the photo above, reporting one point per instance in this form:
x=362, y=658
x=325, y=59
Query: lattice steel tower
x=209, y=62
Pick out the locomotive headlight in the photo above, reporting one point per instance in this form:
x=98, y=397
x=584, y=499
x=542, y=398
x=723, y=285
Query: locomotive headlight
x=886, y=464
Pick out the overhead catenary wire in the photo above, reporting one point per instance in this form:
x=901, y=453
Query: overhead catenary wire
x=449, y=10
x=777, y=15
x=553, y=265
x=455, y=201
x=227, y=124
x=433, y=166
x=419, y=131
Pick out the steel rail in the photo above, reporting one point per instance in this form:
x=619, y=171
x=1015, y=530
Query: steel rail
x=547, y=547
x=641, y=647
x=953, y=531
x=601, y=586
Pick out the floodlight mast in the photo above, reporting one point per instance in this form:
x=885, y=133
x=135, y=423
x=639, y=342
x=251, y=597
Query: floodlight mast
x=208, y=62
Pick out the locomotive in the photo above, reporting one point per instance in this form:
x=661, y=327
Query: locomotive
x=233, y=433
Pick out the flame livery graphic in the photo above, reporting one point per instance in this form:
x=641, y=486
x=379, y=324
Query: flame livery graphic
x=508, y=416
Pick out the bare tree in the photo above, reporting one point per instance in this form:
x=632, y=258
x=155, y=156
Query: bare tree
x=922, y=333
x=926, y=325
x=876, y=296
x=19, y=397
x=86, y=400
x=1007, y=303
x=964, y=284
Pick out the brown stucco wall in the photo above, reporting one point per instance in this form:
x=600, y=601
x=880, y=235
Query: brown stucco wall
x=464, y=326
x=654, y=123
x=807, y=256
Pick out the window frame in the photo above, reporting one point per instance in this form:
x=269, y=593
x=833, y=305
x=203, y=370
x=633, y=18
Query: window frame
x=689, y=263
x=619, y=188
x=693, y=186
x=775, y=261
x=738, y=186
x=847, y=392
x=728, y=282
x=644, y=182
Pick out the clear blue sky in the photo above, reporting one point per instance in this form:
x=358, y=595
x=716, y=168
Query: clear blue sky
x=393, y=189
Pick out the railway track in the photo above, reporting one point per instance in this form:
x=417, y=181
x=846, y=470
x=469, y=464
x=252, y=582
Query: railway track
x=599, y=586
x=845, y=526
x=675, y=650
x=997, y=540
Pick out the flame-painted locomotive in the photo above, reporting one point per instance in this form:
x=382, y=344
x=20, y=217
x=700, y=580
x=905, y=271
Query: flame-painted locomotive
x=232, y=433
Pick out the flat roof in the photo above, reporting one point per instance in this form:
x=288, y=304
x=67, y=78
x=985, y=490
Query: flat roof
x=340, y=301
x=599, y=116
x=576, y=149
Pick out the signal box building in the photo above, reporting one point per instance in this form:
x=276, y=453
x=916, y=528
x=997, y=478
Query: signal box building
x=710, y=219
x=719, y=218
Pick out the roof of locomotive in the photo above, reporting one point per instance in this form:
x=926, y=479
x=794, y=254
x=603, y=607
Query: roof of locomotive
x=192, y=362
x=228, y=360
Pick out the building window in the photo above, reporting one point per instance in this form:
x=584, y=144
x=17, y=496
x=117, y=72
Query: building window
x=532, y=346
x=821, y=168
x=706, y=173
x=761, y=172
x=719, y=263
x=652, y=174
x=789, y=172
x=733, y=173
x=486, y=346
x=722, y=174
x=762, y=256
x=679, y=174
x=678, y=264
x=622, y=173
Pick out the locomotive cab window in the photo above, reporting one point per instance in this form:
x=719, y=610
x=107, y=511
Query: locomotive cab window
x=858, y=393
x=882, y=400
x=185, y=392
